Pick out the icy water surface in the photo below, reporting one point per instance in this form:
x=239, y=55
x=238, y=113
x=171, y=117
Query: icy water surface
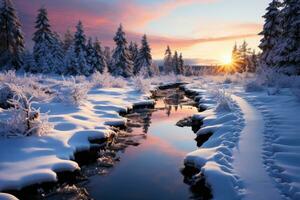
x=152, y=170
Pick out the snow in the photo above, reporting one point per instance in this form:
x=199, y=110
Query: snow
x=29, y=160
x=281, y=139
x=214, y=158
x=248, y=155
x=4, y=196
x=253, y=152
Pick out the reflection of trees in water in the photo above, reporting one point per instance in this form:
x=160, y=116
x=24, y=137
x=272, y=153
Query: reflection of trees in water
x=173, y=100
x=147, y=121
x=168, y=110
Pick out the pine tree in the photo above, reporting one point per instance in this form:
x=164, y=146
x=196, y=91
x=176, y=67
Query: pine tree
x=236, y=59
x=175, y=63
x=68, y=40
x=144, y=59
x=101, y=64
x=168, y=61
x=108, y=58
x=289, y=46
x=29, y=63
x=91, y=57
x=70, y=62
x=122, y=65
x=271, y=33
x=253, y=62
x=57, y=54
x=11, y=37
x=44, y=43
x=133, y=50
x=80, y=50
x=245, y=52
x=181, y=64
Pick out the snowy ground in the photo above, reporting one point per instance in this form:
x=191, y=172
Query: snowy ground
x=253, y=152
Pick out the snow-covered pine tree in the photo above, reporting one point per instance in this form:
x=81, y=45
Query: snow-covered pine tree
x=68, y=40
x=271, y=33
x=11, y=37
x=108, y=58
x=168, y=61
x=181, y=64
x=175, y=64
x=244, y=54
x=253, y=62
x=58, y=54
x=122, y=64
x=80, y=50
x=134, y=51
x=144, y=58
x=29, y=63
x=70, y=62
x=289, y=46
x=91, y=57
x=236, y=59
x=43, y=43
x=101, y=64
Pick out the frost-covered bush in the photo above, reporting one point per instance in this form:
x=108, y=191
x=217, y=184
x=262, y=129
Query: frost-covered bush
x=141, y=84
x=224, y=102
x=106, y=80
x=73, y=92
x=227, y=80
x=28, y=84
x=24, y=119
x=273, y=78
x=7, y=92
x=253, y=86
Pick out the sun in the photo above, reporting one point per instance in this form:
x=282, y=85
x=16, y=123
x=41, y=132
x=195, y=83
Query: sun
x=226, y=60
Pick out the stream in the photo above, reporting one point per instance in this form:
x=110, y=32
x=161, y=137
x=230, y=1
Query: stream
x=146, y=160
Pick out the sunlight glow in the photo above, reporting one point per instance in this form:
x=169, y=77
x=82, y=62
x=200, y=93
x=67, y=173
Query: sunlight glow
x=226, y=60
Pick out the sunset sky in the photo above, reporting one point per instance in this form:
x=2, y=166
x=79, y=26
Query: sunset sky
x=203, y=30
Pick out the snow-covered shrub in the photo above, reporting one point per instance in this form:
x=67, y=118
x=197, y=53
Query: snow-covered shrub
x=253, y=86
x=118, y=82
x=224, y=102
x=80, y=79
x=79, y=93
x=7, y=92
x=274, y=78
x=28, y=84
x=25, y=120
x=72, y=92
x=227, y=80
x=141, y=84
x=106, y=80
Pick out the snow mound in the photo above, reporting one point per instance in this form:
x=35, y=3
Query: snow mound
x=224, y=120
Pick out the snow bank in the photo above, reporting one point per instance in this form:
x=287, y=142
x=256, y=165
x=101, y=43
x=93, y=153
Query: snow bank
x=30, y=160
x=224, y=119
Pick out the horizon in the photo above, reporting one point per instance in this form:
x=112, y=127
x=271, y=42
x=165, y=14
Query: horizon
x=190, y=27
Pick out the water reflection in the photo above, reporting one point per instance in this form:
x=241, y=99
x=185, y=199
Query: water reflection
x=145, y=161
x=152, y=170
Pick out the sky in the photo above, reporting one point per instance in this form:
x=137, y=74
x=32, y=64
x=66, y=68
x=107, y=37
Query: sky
x=204, y=31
